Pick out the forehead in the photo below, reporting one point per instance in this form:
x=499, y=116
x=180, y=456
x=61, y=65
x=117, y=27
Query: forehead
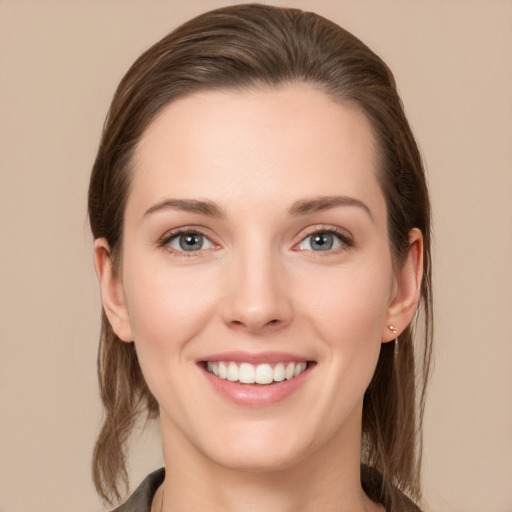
x=273, y=144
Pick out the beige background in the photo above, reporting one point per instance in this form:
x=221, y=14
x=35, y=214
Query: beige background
x=60, y=63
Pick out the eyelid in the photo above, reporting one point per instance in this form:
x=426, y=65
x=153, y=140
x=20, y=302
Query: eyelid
x=344, y=237
x=169, y=236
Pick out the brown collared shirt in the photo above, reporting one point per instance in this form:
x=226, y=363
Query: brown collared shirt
x=141, y=499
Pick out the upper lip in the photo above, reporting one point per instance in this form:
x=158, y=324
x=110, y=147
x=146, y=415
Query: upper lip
x=254, y=358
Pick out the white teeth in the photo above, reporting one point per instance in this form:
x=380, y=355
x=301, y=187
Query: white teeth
x=232, y=372
x=223, y=371
x=298, y=369
x=264, y=374
x=279, y=372
x=247, y=373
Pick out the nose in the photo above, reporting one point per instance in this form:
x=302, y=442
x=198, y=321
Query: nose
x=258, y=299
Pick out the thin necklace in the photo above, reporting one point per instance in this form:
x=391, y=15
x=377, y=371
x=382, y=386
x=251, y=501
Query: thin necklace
x=162, y=502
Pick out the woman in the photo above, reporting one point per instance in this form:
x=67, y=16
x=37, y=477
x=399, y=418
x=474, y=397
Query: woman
x=262, y=242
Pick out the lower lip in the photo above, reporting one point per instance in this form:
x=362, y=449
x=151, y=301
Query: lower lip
x=257, y=395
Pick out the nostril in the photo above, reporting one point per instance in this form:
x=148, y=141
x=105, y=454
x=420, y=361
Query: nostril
x=256, y=326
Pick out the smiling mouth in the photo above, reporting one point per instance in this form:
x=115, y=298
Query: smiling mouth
x=264, y=374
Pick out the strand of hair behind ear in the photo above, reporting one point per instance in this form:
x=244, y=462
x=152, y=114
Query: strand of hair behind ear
x=125, y=395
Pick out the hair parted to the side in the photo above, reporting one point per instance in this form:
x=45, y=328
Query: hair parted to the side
x=246, y=47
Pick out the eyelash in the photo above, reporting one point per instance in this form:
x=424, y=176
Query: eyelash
x=166, y=239
x=343, y=238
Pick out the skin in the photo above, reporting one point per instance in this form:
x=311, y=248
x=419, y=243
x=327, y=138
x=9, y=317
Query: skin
x=258, y=285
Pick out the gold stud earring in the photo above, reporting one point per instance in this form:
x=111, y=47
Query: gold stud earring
x=394, y=330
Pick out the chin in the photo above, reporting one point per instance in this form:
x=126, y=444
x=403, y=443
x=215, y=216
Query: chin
x=247, y=461
x=258, y=450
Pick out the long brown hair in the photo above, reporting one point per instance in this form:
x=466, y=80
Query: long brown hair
x=242, y=47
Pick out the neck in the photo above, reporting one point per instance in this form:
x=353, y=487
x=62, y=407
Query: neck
x=326, y=479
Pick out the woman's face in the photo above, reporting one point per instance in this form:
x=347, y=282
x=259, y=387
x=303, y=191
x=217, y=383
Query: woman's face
x=255, y=247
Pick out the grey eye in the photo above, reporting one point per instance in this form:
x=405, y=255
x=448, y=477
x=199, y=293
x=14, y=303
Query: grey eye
x=190, y=242
x=321, y=241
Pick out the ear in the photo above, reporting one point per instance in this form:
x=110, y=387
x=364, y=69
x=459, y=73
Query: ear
x=112, y=294
x=403, y=305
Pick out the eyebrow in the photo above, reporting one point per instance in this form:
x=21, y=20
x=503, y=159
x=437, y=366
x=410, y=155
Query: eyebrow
x=319, y=204
x=301, y=207
x=203, y=207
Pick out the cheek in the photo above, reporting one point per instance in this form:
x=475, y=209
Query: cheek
x=167, y=306
x=349, y=318
x=168, y=310
x=349, y=307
